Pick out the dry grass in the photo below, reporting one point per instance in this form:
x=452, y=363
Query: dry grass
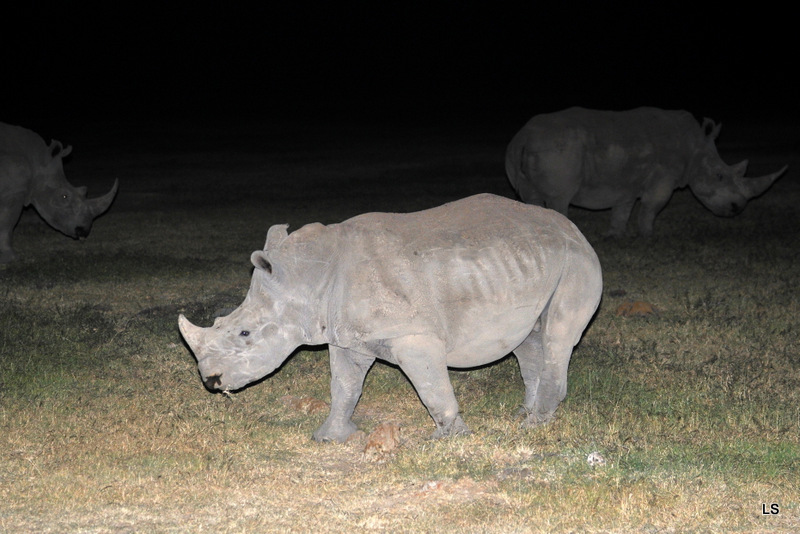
x=107, y=428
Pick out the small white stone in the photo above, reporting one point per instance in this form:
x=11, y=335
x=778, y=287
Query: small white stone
x=595, y=459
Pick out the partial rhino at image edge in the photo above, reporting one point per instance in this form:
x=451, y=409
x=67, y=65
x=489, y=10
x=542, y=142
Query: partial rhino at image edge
x=32, y=173
x=460, y=285
x=610, y=159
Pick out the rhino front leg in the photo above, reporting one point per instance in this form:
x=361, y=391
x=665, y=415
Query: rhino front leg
x=653, y=201
x=619, y=219
x=647, y=216
x=424, y=362
x=348, y=369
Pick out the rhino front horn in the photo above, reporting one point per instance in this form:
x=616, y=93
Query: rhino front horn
x=753, y=187
x=101, y=204
x=190, y=332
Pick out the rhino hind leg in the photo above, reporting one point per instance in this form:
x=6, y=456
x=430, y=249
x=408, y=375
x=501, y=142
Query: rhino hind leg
x=424, y=362
x=559, y=204
x=545, y=385
x=8, y=219
x=348, y=370
x=545, y=354
x=6, y=252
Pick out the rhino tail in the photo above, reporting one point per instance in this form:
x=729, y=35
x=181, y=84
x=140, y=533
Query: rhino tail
x=101, y=204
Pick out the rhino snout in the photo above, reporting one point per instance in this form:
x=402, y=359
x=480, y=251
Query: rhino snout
x=81, y=231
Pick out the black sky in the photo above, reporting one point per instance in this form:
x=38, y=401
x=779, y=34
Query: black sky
x=413, y=62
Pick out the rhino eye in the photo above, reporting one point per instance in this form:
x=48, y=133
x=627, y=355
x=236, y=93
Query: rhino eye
x=244, y=333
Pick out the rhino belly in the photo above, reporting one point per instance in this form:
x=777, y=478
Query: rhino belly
x=485, y=339
x=613, y=177
x=601, y=197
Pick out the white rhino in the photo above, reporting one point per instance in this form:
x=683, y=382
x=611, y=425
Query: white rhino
x=460, y=285
x=609, y=159
x=32, y=172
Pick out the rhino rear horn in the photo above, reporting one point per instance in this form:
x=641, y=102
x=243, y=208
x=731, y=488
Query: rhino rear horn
x=740, y=168
x=753, y=187
x=100, y=204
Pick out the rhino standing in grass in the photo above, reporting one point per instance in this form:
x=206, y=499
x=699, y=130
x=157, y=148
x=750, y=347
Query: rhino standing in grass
x=32, y=172
x=460, y=285
x=609, y=159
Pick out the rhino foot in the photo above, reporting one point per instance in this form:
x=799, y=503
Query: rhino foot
x=333, y=432
x=457, y=427
x=614, y=234
x=533, y=418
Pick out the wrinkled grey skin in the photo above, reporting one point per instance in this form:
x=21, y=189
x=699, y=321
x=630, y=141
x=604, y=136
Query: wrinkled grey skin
x=31, y=173
x=460, y=285
x=609, y=159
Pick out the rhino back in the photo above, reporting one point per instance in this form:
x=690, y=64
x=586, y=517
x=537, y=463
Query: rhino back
x=455, y=269
x=22, y=141
x=604, y=157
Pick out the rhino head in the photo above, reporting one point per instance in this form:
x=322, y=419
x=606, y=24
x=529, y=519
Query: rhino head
x=63, y=206
x=723, y=188
x=262, y=332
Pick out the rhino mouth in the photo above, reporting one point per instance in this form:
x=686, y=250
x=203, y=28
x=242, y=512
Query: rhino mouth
x=81, y=232
x=213, y=382
x=729, y=211
x=735, y=208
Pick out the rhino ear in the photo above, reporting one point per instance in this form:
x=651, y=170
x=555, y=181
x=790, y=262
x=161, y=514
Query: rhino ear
x=275, y=236
x=713, y=132
x=260, y=261
x=57, y=150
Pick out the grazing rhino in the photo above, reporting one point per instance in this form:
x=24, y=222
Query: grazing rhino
x=609, y=159
x=460, y=285
x=31, y=172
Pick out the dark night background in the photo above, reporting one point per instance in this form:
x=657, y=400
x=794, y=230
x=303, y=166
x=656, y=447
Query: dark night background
x=437, y=64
